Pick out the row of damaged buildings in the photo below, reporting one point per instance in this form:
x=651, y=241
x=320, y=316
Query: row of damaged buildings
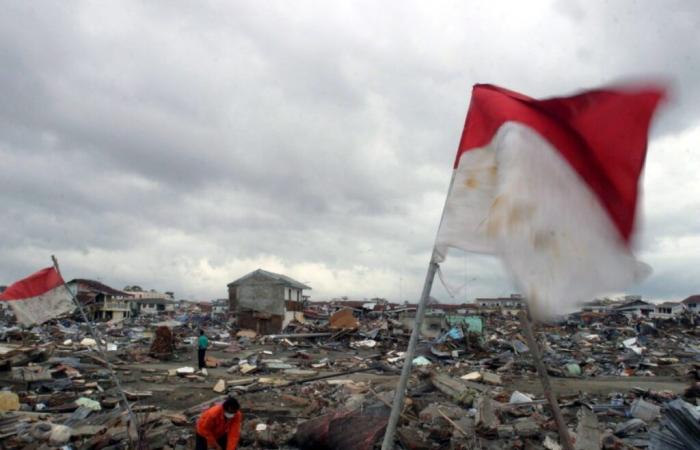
x=105, y=303
x=634, y=307
x=267, y=302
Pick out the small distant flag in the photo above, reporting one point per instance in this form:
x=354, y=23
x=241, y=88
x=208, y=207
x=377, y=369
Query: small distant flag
x=551, y=187
x=39, y=297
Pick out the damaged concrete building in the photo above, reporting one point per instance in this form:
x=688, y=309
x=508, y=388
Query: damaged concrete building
x=692, y=304
x=508, y=305
x=102, y=302
x=265, y=301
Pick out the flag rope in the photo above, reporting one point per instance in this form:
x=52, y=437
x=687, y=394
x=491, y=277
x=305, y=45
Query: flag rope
x=452, y=291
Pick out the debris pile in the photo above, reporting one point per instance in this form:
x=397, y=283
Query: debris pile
x=328, y=382
x=163, y=345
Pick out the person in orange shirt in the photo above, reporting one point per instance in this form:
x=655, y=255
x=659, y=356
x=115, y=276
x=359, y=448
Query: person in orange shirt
x=219, y=427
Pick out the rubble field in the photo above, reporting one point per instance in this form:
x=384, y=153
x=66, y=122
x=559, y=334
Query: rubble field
x=329, y=384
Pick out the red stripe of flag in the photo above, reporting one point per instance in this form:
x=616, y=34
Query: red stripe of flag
x=601, y=133
x=34, y=285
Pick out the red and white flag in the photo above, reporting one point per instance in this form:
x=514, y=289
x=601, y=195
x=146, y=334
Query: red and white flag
x=551, y=187
x=39, y=297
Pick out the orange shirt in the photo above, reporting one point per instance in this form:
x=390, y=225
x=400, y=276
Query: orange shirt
x=212, y=425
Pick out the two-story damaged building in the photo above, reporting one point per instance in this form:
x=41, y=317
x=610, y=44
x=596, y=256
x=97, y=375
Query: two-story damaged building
x=149, y=302
x=153, y=306
x=668, y=310
x=634, y=308
x=101, y=302
x=692, y=304
x=265, y=301
x=219, y=307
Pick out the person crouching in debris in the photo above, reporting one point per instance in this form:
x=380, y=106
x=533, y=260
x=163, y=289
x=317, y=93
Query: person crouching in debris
x=219, y=427
x=202, y=345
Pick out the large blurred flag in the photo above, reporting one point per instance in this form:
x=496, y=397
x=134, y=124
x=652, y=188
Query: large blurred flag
x=551, y=187
x=39, y=297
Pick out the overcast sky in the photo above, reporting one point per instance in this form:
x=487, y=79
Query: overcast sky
x=181, y=145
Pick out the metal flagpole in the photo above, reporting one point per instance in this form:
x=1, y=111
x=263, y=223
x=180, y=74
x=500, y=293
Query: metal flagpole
x=525, y=321
x=397, y=405
x=96, y=336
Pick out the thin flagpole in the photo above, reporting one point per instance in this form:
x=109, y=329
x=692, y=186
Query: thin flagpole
x=397, y=405
x=526, y=322
x=96, y=336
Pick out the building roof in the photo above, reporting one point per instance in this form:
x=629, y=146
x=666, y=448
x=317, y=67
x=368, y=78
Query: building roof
x=319, y=303
x=96, y=286
x=281, y=279
x=153, y=301
x=598, y=302
x=499, y=299
x=669, y=304
x=453, y=306
x=633, y=305
x=693, y=299
x=355, y=304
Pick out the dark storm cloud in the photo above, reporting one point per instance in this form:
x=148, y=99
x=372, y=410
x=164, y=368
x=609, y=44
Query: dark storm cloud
x=178, y=147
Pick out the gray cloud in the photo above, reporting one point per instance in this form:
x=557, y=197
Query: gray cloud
x=179, y=147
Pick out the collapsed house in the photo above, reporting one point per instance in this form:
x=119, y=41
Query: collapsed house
x=265, y=301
